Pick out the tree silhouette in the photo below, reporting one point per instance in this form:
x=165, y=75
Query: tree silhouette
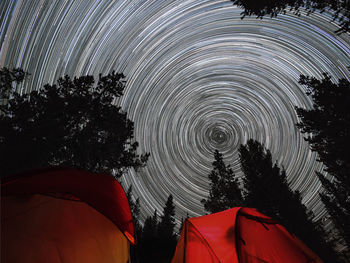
x=224, y=190
x=74, y=123
x=327, y=127
x=135, y=211
x=182, y=224
x=148, y=250
x=166, y=235
x=167, y=223
x=274, y=7
x=158, y=240
x=267, y=189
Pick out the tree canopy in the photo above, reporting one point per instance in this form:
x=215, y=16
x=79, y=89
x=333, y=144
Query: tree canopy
x=166, y=234
x=74, y=124
x=224, y=190
x=135, y=208
x=167, y=223
x=327, y=130
x=267, y=189
x=158, y=239
x=148, y=243
x=261, y=8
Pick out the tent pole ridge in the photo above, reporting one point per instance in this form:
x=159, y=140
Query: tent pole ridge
x=268, y=221
x=238, y=236
x=264, y=225
x=206, y=242
x=185, y=231
x=242, y=240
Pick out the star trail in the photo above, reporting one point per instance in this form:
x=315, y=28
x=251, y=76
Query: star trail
x=199, y=78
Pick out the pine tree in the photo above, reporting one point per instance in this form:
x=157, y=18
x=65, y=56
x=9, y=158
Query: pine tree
x=182, y=225
x=150, y=228
x=148, y=250
x=274, y=7
x=224, y=190
x=158, y=240
x=73, y=124
x=167, y=223
x=167, y=237
x=135, y=211
x=267, y=190
x=327, y=127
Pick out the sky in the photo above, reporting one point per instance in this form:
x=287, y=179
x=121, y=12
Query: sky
x=199, y=78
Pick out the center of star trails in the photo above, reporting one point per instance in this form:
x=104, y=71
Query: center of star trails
x=218, y=137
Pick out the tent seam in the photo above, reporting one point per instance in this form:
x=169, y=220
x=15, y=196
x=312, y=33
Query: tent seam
x=205, y=242
x=237, y=235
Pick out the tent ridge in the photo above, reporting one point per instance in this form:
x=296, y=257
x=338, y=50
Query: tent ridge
x=237, y=234
x=268, y=221
x=64, y=183
x=65, y=215
x=240, y=234
x=204, y=240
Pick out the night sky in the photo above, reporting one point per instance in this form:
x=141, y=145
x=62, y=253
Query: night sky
x=198, y=79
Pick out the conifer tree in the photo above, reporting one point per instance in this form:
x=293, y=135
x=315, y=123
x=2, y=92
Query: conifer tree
x=72, y=124
x=267, y=189
x=182, y=225
x=327, y=126
x=167, y=223
x=158, y=240
x=341, y=9
x=148, y=250
x=135, y=211
x=224, y=190
x=166, y=235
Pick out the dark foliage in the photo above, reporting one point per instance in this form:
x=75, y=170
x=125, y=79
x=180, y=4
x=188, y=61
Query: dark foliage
x=167, y=223
x=135, y=211
x=166, y=227
x=274, y=7
x=148, y=243
x=224, y=190
x=267, y=190
x=182, y=225
x=327, y=127
x=73, y=124
x=7, y=77
x=158, y=240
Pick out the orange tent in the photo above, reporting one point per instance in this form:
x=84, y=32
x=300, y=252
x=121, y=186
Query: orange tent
x=239, y=235
x=65, y=215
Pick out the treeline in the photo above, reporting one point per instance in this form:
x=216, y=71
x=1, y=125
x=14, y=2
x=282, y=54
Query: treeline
x=265, y=187
x=75, y=123
x=264, y=184
x=156, y=239
x=261, y=8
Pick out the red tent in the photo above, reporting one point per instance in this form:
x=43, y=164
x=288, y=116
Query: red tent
x=65, y=215
x=239, y=235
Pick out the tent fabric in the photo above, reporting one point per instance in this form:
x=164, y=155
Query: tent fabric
x=39, y=228
x=239, y=235
x=65, y=215
x=100, y=191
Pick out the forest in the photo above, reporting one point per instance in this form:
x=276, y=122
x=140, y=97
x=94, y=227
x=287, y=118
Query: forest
x=76, y=123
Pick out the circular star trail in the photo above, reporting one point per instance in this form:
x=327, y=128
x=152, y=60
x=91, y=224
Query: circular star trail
x=198, y=79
